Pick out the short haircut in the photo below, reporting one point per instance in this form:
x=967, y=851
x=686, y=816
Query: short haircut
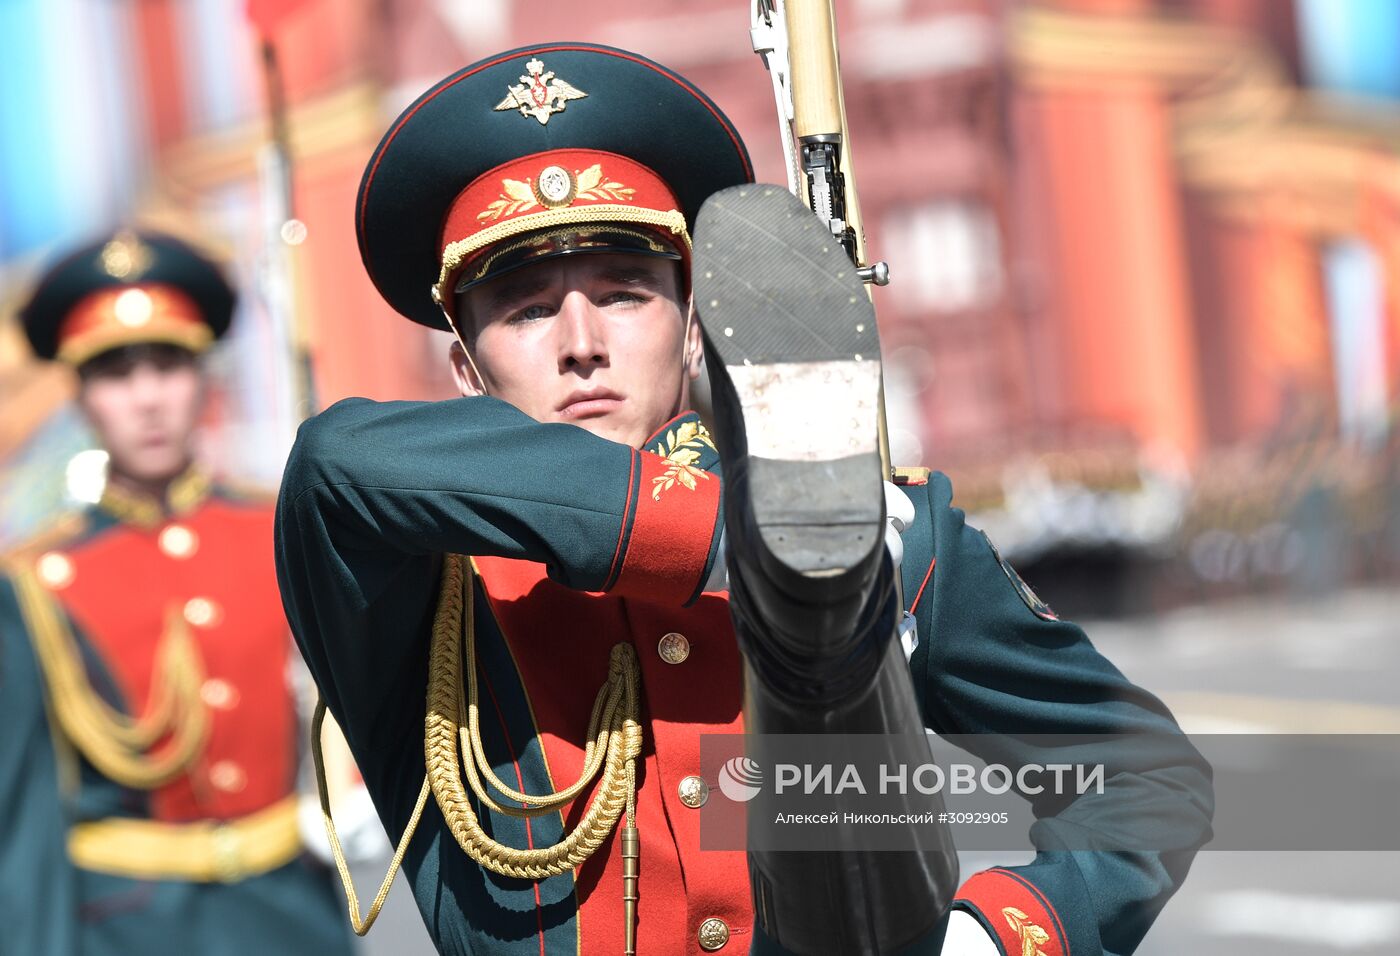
x=121, y=360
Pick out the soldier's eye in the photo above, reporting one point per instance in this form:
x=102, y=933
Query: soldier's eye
x=615, y=298
x=529, y=314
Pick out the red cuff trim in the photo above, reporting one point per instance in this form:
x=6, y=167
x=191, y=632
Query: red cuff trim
x=1017, y=912
x=669, y=545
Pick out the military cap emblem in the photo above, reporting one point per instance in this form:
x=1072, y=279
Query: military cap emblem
x=134, y=308
x=555, y=187
x=126, y=258
x=539, y=93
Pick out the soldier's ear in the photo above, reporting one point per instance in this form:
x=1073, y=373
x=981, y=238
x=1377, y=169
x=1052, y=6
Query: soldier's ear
x=694, y=353
x=464, y=371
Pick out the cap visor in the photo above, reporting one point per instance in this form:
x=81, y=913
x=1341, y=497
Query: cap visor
x=568, y=241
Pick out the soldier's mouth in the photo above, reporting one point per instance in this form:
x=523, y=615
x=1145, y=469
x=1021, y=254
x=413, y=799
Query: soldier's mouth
x=590, y=404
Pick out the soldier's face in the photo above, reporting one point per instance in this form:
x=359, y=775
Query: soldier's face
x=144, y=409
x=598, y=341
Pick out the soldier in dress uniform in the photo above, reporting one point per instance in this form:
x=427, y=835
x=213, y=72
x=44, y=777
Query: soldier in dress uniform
x=150, y=758
x=541, y=560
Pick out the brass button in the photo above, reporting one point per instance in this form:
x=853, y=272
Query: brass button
x=673, y=648
x=203, y=612
x=219, y=694
x=228, y=776
x=55, y=570
x=178, y=542
x=714, y=933
x=694, y=792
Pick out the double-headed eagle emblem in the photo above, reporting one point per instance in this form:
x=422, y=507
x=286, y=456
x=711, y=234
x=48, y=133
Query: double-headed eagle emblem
x=539, y=93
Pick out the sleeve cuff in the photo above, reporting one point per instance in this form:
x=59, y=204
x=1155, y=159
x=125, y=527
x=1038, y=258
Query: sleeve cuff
x=669, y=531
x=966, y=936
x=1015, y=912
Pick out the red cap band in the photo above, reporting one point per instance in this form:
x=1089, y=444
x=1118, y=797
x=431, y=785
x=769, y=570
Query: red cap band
x=126, y=315
x=552, y=189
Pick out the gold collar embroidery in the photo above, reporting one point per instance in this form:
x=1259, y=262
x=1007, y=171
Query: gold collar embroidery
x=680, y=448
x=185, y=493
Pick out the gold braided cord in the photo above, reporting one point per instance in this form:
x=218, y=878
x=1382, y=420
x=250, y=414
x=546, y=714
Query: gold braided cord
x=114, y=742
x=142, y=733
x=602, y=718
x=620, y=740
x=360, y=926
x=615, y=742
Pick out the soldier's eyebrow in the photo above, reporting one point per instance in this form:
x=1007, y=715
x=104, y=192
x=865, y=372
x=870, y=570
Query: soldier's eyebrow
x=631, y=275
x=509, y=290
x=514, y=288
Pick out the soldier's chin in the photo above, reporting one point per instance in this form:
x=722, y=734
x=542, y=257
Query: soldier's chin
x=151, y=466
x=611, y=427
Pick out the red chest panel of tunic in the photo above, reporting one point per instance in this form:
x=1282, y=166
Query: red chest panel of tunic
x=214, y=567
x=691, y=685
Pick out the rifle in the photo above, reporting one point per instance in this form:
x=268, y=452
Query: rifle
x=797, y=41
x=885, y=900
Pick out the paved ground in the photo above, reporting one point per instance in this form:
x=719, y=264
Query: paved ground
x=1322, y=666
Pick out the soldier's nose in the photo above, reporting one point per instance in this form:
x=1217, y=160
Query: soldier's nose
x=582, y=338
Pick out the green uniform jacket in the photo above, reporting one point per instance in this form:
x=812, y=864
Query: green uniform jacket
x=582, y=542
x=38, y=887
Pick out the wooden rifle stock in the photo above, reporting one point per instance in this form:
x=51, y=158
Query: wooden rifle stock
x=819, y=116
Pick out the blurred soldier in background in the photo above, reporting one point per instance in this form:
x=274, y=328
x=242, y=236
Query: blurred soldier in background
x=149, y=724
